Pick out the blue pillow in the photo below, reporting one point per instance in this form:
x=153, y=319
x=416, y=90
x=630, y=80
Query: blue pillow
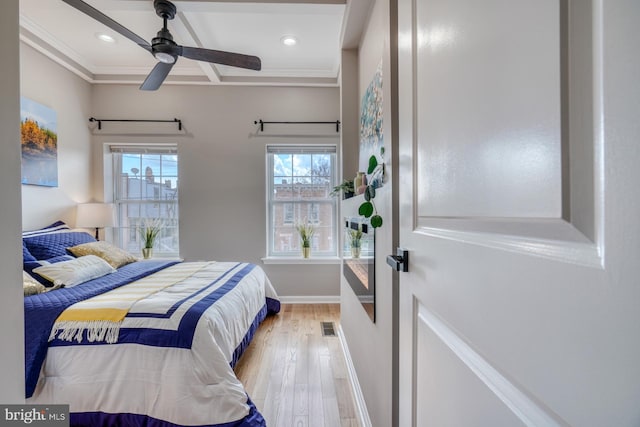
x=29, y=266
x=26, y=255
x=53, y=244
x=56, y=226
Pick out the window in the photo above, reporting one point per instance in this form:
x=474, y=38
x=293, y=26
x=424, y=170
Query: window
x=299, y=183
x=145, y=188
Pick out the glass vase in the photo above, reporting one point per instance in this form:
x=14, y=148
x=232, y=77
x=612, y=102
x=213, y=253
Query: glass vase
x=355, y=251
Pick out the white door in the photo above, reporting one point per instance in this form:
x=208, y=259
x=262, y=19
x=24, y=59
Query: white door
x=520, y=193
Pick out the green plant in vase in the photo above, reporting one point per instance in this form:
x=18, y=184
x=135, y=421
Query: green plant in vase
x=346, y=188
x=306, y=232
x=355, y=241
x=149, y=233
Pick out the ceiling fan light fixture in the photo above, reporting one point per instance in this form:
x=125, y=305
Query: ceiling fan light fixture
x=289, y=40
x=167, y=58
x=165, y=50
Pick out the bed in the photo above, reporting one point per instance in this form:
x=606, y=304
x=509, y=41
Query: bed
x=149, y=343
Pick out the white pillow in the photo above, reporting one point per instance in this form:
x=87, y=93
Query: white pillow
x=26, y=277
x=75, y=271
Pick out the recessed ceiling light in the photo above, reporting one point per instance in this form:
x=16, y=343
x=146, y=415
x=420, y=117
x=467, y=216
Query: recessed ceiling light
x=289, y=40
x=105, y=38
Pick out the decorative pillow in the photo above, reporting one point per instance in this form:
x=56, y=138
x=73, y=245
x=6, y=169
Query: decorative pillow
x=31, y=288
x=112, y=254
x=26, y=277
x=56, y=226
x=26, y=255
x=29, y=266
x=76, y=271
x=55, y=243
x=31, y=285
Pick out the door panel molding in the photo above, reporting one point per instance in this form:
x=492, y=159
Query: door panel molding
x=492, y=146
x=577, y=236
x=552, y=239
x=518, y=402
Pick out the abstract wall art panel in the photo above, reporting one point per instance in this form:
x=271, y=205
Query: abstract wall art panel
x=371, y=114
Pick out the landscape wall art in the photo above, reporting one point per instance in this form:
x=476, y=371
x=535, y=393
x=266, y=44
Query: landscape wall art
x=39, y=142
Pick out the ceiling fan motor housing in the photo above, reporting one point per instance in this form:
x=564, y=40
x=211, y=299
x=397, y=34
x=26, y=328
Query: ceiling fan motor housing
x=164, y=48
x=164, y=9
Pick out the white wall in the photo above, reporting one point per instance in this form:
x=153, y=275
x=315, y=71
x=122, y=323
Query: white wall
x=350, y=117
x=48, y=83
x=222, y=164
x=371, y=345
x=11, y=308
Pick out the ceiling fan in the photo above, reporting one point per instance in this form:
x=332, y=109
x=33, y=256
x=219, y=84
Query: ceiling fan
x=163, y=48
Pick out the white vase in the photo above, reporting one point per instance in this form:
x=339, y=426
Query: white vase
x=147, y=253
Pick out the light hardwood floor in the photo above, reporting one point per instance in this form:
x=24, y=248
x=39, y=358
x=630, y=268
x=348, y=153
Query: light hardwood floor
x=296, y=376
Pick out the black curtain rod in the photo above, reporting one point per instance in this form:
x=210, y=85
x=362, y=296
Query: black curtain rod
x=93, y=119
x=262, y=123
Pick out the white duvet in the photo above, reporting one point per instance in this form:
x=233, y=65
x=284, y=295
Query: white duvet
x=184, y=386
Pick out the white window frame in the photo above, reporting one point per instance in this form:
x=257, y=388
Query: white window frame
x=332, y=201
x=116, y=150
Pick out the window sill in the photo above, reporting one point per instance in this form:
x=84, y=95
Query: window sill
x=300, y=260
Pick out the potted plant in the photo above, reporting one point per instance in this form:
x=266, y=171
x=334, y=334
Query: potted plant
x=306, y=232
x=149, y=233
x=346, y=188
x=355, y=241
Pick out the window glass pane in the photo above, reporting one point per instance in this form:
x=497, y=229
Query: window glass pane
x=285, y=239
x=150, y=166
x=146, y=188
x=302, y=165
x=321, y=166
x=282, y=168
x=300, y=179
x=283, y=191
x=288, y=214
x=170, y=164
x=169, y=167
x=131, y=164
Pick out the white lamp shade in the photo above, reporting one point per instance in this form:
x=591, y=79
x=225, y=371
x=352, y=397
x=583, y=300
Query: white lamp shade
x=95, y=215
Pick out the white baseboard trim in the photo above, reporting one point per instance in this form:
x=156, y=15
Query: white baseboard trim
x=319, y=299
x=361, y=406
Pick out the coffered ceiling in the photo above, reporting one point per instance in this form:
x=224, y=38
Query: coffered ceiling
x=254, y=28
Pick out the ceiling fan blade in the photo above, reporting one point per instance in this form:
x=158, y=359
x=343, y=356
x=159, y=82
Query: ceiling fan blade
x=101, y=17
x=156, y=76
x=221, y=57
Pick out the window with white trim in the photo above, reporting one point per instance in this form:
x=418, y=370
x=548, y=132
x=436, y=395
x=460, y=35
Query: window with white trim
x=145, y=186
x=299, y=182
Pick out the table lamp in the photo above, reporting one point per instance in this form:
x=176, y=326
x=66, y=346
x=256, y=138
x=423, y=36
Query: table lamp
x=95, y=215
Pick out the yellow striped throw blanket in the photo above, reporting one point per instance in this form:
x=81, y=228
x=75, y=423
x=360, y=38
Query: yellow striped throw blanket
x=101, y=316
